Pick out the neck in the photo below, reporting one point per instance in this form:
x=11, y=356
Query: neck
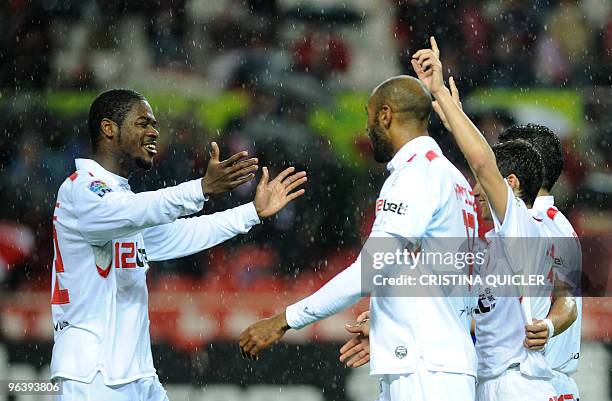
x=543, y=192
x=404, y=135
x=110, y=163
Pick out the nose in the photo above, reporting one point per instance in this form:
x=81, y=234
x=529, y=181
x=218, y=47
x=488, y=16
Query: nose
x=153, y=132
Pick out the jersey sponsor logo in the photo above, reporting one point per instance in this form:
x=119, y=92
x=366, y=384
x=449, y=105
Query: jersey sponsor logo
x=386, y=206
x=99, y=188
x=401, y=352
x=59, y=326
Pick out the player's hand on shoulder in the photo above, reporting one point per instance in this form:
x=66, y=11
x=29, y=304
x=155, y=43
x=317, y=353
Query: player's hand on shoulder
x=536, y=335
x=262, y=334
x=426, y=64
x=223, y=176
x=272, y=196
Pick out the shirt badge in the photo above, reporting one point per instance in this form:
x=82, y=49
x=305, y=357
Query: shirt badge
x=99, y=188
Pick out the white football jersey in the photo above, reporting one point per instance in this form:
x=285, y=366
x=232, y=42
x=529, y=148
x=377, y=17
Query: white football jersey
x=424, y=198
x=501, y=320
x=562, y=351
x=104, y=235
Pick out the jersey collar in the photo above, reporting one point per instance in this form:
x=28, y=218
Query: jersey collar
x=543, y=202
x=93, y=167
x=420, y=144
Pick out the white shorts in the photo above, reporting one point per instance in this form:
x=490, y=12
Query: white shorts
x=514, y=386
x=146, y=389
x=425, y=385
x=565, y=387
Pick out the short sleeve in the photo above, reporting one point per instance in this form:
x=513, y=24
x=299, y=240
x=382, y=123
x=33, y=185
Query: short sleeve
x=517, y=222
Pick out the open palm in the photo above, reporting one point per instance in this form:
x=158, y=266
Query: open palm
x=272, y=196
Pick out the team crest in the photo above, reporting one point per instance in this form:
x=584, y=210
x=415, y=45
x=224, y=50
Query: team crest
x=99, y=188
x=401, y=352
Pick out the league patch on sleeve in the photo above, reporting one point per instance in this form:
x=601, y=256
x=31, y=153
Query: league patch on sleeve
x=99, y=188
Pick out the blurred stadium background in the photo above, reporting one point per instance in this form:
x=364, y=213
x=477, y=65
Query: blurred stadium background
x=286, y=80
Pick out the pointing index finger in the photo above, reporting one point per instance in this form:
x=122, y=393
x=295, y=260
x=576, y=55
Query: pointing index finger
x=434, y=46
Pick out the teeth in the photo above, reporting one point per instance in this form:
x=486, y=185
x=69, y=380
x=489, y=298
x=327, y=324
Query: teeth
x=151, y=147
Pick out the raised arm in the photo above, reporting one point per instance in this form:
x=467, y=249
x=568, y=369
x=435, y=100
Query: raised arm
x=478, y=153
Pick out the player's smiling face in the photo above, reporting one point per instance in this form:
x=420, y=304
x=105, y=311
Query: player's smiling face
x=483, y=202
x=138, y=136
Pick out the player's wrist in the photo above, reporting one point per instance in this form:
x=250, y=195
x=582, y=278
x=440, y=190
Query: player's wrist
x=281, y=321
x=550, y=326
x=442, y=94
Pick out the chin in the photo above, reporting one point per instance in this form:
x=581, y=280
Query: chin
x=144, y=164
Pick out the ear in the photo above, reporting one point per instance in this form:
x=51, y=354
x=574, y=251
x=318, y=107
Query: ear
x=514, y=183
x=108, y=128
x=385, y=116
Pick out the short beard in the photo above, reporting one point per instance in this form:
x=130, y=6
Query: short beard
x=143, y=163
x=381, y=146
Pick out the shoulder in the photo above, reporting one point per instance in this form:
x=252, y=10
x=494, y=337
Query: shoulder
x=85, y=182
x=561, y=222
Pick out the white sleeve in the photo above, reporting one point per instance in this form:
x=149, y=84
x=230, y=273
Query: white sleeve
x=342, y=291
x=336, y=295
x=103, y=215
x=518, y=222
x=521, y=237
x=403, y=212
x=191, y=235
x=407, y=205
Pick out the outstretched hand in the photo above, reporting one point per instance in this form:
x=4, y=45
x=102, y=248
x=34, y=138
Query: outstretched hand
x=272, y=196
x=262, y=334
x=356, y=351
x=223, y=176
x=426, y=64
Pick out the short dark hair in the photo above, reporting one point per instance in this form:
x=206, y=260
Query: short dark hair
x=518, y=157
x=113, y=104
x=548, y=145
x=405, y=94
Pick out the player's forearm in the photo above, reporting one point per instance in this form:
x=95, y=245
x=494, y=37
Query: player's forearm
x=473, y=145
x=187, y=236
x=477, y=152
x=336, y=295
x=563, y=313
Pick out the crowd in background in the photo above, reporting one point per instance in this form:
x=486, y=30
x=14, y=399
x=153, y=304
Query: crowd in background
x=288, y=57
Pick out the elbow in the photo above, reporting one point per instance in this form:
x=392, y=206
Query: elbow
x=481, y=163
x=573, y=311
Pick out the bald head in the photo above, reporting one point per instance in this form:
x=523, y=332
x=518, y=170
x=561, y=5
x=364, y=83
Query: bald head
x=409, y=100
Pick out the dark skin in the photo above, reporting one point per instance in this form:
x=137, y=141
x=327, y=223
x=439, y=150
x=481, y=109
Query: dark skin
x=390, y=125
x=132, y=146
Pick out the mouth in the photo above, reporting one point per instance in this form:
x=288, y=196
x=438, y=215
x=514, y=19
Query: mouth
x=151, y=148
